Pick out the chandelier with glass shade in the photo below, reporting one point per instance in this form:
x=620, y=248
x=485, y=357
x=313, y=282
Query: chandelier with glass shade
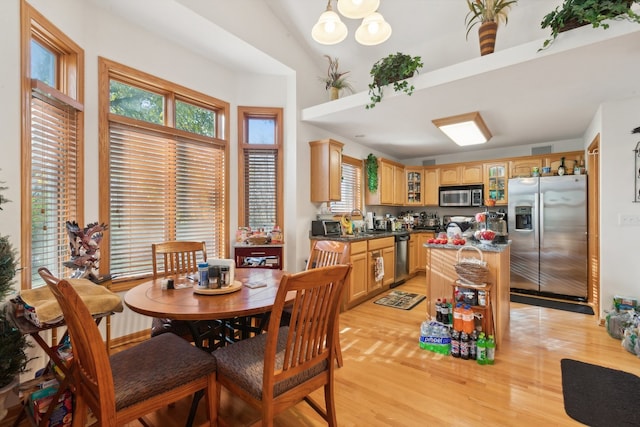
x=372, y=31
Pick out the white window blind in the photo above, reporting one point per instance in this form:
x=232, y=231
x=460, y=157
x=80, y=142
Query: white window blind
x=350, y=188
x=162, y=187
x=261, y=176
x=54, y=178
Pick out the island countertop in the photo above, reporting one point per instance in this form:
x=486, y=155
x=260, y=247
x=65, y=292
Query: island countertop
x=490, y=247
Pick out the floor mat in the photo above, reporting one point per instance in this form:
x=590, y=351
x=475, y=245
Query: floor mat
x=599, y=396
x=401, y=300
x=558, y=305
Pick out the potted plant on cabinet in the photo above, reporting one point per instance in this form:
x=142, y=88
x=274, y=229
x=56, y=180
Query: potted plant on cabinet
x=577, y=13
x=487, y=13
x=335, y=81
x=13, y=345
x=395, y=68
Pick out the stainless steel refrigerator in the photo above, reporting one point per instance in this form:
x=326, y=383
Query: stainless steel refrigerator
x=547, y=220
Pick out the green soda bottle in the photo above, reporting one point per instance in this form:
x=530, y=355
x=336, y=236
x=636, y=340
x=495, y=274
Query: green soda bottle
x=491, y=350
x=482, y=350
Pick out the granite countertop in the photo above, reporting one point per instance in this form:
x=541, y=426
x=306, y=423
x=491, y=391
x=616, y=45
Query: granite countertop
x=368, y=235
x=486, y=247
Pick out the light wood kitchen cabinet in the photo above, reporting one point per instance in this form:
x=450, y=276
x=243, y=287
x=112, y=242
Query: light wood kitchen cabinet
x=523, y=167
x=385, y=248
x=390, y=185
x=421, y=239
x=414, y=263
x=326, y=170
x=414, y=186
x=571, y=160
x=431, y=186
x=358, y=282
x=387, y=173
x=471, y=173
x=389, y=256
x=398, y=185
x=496, y=182
x=450, y=175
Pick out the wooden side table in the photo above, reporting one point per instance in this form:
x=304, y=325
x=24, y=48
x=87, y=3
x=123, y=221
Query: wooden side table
x=259, y=256
x=486, y=310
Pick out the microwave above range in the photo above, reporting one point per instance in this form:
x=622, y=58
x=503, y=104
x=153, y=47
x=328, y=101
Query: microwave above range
x=461, y=195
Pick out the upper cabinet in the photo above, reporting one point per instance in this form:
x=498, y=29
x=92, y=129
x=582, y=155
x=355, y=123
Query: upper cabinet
x=326, y=170
x=495, y=182
x=414, y=180
x=431, y=186
x=391, y=185
x=524, y=166
x=470, y=173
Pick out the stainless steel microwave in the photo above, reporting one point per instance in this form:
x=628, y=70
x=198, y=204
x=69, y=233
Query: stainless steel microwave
x=325, y=228
x=461, y=196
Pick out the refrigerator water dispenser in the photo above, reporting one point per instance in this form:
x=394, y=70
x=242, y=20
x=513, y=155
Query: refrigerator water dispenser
x=523, y=218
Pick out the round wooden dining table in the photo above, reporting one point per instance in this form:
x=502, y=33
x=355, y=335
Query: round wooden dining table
x=183, y=303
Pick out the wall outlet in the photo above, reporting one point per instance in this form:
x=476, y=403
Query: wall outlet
x=629, y=220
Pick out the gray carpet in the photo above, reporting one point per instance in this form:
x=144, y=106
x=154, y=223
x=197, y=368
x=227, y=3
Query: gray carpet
x=599, y=396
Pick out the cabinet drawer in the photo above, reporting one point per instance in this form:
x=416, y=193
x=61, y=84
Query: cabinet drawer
x=381, y=243
x=358, y=247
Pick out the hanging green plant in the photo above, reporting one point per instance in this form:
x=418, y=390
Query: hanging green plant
x=372, y=172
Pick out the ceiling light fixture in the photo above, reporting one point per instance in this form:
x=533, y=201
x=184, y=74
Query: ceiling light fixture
x=331, y=30
x=357, y=9
x=465, y=129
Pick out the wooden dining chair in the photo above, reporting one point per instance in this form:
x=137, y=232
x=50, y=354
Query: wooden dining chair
x=131, y=383
x=278, y=369
x=177, y=257
x=325, y=253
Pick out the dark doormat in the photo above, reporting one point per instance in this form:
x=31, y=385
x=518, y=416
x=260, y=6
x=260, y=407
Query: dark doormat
x=400, y=299
x=558, y=305
x=599, y=396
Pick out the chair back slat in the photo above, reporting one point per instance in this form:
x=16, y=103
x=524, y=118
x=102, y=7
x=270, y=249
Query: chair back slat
x=178, y=257
x=327, y=252
x=310, y=340
x=91, y=366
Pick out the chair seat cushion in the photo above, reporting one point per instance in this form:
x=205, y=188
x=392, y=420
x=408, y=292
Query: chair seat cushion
x=243, y=364
x=155, y=366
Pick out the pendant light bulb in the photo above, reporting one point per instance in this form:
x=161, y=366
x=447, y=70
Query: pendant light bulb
x=373, y=30
x=357, y=9
x=329, y=29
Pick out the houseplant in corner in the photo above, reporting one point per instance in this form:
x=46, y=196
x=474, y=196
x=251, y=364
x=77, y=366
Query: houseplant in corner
x=577, y=13
x=13, y=345
x=335, y=81
x=395, y=68
x=487, y=13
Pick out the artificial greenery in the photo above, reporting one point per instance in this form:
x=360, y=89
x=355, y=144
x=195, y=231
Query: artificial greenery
x=13, y=358
x=372, y=172
x=576, y=13
x=395, y=68
x=334, y=77
x=487, y=11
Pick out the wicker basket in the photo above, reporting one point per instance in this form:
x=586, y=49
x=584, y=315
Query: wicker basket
x=471, y=270
x=257, y=240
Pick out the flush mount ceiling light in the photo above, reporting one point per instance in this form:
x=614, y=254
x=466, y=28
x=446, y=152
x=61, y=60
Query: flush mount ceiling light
x=357, y=9
x=373, y=30
x=331, y=30
x=465, y=129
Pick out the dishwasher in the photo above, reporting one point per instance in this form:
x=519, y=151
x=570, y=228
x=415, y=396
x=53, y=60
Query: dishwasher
x=402, y=259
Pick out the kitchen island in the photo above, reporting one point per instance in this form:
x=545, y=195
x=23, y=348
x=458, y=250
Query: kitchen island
x=441, y=277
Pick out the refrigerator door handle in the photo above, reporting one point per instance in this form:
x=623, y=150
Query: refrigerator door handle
x=541, y=219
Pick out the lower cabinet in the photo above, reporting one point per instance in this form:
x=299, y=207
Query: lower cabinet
x=414, y=264
x=357, y=286
x=362, y=280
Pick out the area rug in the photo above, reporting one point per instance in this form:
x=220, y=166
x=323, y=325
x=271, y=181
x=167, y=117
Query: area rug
x=400, y=299
x=558, y=305
x=599, y=396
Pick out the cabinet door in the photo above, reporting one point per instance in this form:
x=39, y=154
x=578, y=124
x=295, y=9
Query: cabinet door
x=413, y=254
x=358, y=277
x=523, y=167
x=571, y=159
x=372, y=284
x=414, y=186
x=389, y=256
x=431, y=185
x=422, y=250
x=449, y=175
x=326, y=170
x=387, y=175
x=398, y=185
x=472, y=174
x=495, y=182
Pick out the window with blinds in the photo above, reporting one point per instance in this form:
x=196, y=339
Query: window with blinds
x=350, y=187
x=260, y=176
x=54, y=182
x=167, y=169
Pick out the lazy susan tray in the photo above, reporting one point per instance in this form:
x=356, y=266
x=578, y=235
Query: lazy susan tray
x=235, y=286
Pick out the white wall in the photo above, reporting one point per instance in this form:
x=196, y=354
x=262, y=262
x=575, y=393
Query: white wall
x=619, y=254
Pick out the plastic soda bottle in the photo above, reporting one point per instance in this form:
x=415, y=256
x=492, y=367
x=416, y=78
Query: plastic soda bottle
x=444, y=311
x=473, y=345
x=464, y=346
x=455, y=343
x=439, y=310
x=468, y=324
x=491, y=350
x=457, y=317
x=481, y=357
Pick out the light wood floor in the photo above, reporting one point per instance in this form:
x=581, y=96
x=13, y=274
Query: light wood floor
x=388, y=381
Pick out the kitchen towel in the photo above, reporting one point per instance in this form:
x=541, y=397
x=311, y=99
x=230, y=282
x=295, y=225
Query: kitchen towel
x=379, y=268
